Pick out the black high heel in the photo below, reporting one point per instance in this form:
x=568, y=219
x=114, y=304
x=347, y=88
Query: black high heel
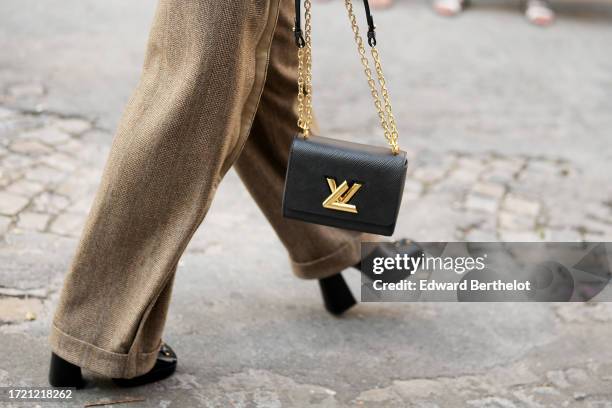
x=337, y=297
x=65, y=374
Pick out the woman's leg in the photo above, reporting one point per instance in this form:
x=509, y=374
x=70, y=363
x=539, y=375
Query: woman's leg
x=316, y=251
x=183, y=128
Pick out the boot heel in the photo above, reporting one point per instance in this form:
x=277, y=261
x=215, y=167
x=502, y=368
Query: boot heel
x=64, y=374
x=337, y=296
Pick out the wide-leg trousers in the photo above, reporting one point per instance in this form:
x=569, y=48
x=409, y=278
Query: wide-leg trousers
x=218, y=88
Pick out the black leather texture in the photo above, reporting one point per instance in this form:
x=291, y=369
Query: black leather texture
x=382, y=175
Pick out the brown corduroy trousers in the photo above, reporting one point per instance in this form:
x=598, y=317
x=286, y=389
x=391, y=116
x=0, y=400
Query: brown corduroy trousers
x=218, y=89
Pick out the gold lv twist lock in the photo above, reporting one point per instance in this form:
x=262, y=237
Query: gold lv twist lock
x=340, y=196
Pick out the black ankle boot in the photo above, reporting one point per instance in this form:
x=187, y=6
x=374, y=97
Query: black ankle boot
x=337, y=296
x=65, y=374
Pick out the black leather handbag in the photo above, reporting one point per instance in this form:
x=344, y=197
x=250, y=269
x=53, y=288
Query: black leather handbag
x=337, y=183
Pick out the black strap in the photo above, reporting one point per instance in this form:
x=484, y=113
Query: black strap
x=297, y=28
x=371, y=26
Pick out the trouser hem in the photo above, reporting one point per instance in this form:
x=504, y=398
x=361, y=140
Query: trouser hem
x=347, y=255
x=100, y=361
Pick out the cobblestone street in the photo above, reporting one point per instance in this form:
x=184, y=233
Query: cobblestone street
x=508, y=137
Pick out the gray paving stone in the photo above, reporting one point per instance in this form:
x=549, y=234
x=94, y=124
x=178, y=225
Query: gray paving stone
x=599, y=211
x=487, y=189
x=520, y=236
x=9, y=176
x=26, y=90
x=45, y=174
x=412, y=189
x=50, y=203
x=11, y=204
x=480, y=235
x=103, y=137
x=463, y=176
x=413, y=186
x=32, y=221
x=429, y=175
x=6, y=113
x=497, y=176
x=5, y=180
x=49, y=135
x=481, y=203
x=21, y=293
x=577, y=375
x=513, y=221
x=61, y=161
x=507, y=164
x=68, y=224
x=82, y=205
x=594, y=226
x=472, y=164
x=543, y=167
x=380, y=395
x=585, y=313
x=600, y=237
x=30, y=147
x=491, y=402
x=75, y=186
x=418, y=389
x=546, y=390
x=14, y=161
x=73, y=126
x=25, y=188
x=15, y=309
x=557, y=378
x=521, y=205
x=563, y=235
x=73, y=147
x=525, y=400
x=599, y=403
x=426, y=405
x=5, y=222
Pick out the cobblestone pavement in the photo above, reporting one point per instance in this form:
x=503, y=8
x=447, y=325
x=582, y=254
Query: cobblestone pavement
x=262, y=340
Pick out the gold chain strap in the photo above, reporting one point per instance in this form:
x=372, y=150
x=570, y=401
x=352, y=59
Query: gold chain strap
x=385, y=113
x=305, y=74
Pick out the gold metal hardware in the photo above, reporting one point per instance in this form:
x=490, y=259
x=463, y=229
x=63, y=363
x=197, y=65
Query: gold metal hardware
x=383, y=107
x=340, y=196
x=387, y=120
x=305, y=74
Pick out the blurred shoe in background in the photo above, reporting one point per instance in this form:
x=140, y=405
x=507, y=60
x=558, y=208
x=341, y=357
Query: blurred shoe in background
x=381, y=4
x=375, y=4
x=539, y=12
x=449, y=8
